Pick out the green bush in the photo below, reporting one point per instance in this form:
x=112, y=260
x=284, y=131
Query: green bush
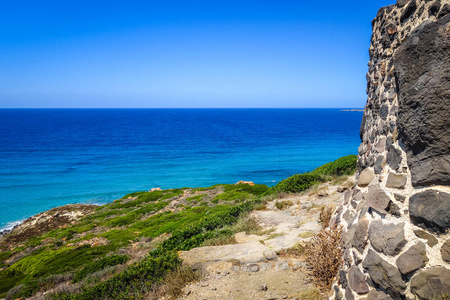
x=342, y=166
x=300, y=182
x=98, y=265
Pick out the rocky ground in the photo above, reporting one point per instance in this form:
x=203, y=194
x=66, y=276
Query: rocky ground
x=257, y=267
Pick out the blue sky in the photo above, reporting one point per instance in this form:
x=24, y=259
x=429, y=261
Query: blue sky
x=184, y=53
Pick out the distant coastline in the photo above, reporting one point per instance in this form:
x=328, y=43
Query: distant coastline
x=354, y=109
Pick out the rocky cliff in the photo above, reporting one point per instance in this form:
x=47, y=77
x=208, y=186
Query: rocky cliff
x=397, y=217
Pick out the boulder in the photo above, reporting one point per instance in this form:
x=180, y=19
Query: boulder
x=396, y=181
x=412, y=259
x=432, y=283
x=430, y=209
x=422, y=65
x=357, y=281
x=387, y=238
x=348, y=294
x=384, y=274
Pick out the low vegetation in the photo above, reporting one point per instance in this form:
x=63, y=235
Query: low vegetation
x=128, y=248
x=301, y=182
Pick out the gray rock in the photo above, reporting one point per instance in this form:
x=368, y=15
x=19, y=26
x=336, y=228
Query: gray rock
x=399, y=198
x=263, y=287
x=357, y=194
x=282, y=265
x=445, y=251
x=445, y=10
x=250, y=268
x=357, y=281
x=431, y=283
x=412, y=259
x=349, y=294
x=430, y=209
x=365, y=177
x=387, y=238
x=378, y=295
x=401, y=3
x=394, y=157
x=379, y=164
x=384, y=274
x=431, y=240
x=349, y=235
x=360, y=235
x=270, y=255
x=343, y=278
x=396, y=181
x=384, y=111
x=422, y=65
x=378, y=199
x=337, y=293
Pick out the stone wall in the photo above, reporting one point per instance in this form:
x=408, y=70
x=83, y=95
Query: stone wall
x=397, y=218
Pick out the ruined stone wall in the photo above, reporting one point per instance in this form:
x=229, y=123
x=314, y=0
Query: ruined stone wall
x=397, y=218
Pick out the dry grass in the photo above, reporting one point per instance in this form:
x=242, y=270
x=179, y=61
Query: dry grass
x=306, y=234
x=324, y=256
x=283, y=204
x=220, y=240
x=296, y=251
x=173, y=284
x=325, y=216
x=311, y=294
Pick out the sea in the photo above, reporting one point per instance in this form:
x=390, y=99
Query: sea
x=53, y=157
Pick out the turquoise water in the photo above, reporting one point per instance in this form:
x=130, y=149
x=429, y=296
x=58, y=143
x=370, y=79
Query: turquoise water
x=52, y=157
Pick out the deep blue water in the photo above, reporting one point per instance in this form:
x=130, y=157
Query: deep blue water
x=52, y=157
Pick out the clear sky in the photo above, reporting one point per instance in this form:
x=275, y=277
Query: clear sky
x=166, y=53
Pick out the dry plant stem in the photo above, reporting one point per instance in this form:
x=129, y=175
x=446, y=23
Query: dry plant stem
x=324, y=256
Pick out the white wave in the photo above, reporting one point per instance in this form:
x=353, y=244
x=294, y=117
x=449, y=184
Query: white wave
x=11, y=225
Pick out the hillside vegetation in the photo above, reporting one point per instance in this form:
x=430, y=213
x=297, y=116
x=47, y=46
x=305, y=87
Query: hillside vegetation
x=126, y=248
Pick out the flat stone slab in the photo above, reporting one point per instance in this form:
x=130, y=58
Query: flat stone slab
x=251, y=252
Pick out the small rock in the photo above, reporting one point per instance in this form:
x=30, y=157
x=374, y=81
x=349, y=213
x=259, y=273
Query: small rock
x=357, y=281
x=214, y=289
x=394, y=157
x=284, y=297
x=445, y=251
x=365, y=177
x=263, y=287
x=400, y=198
x=378, y=199
x=270, y=255
x=397, y=181
x=378, y=295
x=250, y=268
x=282, y=265
x=432, y=241
x=204, y=284
x=412, y=259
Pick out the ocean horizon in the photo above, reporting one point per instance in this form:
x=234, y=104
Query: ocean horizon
x=53, y=157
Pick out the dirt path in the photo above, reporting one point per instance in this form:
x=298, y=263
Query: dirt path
x=252, y=269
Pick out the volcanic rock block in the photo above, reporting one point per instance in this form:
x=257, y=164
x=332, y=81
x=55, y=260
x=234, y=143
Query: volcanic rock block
x=430, y=209
x=384, y=274
x=396, y=181
x=445, y=251
x=378, y=199
x=412, y=259
x=387, y=238
x=432, y=283
x=422, y=70
x=357, y=281
x=365, y=177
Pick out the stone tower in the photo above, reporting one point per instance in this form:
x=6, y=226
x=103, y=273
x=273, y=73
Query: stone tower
x=397, y=218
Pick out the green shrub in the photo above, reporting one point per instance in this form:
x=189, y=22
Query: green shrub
x=98, y=265
x=342, y=166
x=296, y=183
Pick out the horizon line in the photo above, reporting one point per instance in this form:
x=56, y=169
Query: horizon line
x=182, y=108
